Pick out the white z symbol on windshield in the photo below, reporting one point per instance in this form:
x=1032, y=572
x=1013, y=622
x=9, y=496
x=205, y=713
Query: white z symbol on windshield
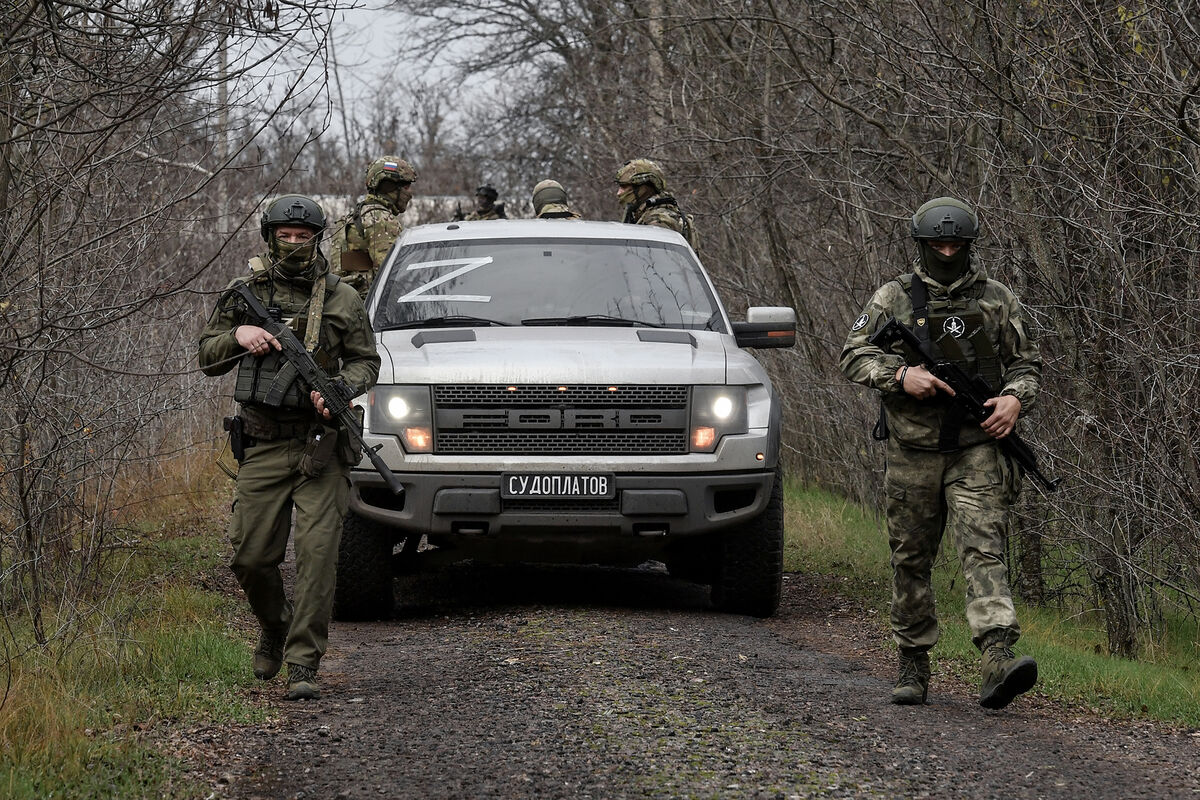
x=419, y=294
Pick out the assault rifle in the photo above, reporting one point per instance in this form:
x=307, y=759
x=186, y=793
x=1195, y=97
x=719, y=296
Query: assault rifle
x=337, y=395
x=970, y=393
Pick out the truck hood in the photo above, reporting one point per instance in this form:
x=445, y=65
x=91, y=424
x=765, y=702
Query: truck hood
x=541, y=355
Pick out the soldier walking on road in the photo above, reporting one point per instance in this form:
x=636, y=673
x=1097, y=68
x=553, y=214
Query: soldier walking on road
x=944, y=472
x=361, y=239
x=486, y=206
x=289, y=454
x=550, y=202
x=642, y=189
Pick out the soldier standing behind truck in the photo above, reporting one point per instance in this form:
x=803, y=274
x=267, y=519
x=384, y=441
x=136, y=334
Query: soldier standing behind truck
x=361, y=239
x=642, y=189
x=486, y=206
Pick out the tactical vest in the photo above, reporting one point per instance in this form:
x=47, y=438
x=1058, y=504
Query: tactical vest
x=348, y=247
x=270, y=380
x=634, y=214
x=955, y=329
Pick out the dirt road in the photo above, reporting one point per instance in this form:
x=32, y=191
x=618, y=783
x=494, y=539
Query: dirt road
x=600, y=684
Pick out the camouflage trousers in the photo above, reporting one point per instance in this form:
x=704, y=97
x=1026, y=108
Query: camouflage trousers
x=967, y=494
x=269, y=485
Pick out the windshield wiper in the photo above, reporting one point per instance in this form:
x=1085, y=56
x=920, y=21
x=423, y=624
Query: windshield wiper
x=591, y=319
x=449, y=321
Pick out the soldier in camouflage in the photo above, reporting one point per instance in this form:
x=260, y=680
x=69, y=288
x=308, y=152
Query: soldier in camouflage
x=486, y=206
x=642, y=189
x=291, y=456
x=945, y=472
x=362, y=238
x=550, y=202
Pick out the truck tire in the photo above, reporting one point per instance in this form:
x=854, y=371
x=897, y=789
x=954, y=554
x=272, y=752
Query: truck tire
x=364, y=572
x=749, y=579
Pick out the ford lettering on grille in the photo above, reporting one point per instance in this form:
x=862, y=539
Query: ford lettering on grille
x=557, y=486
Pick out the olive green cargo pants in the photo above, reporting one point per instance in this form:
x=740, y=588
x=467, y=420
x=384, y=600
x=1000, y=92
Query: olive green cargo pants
x=967, y=494
x=269, y=484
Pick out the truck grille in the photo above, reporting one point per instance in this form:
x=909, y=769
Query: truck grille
x=560, y=420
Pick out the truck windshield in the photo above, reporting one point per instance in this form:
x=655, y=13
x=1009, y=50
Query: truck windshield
x=511, y=281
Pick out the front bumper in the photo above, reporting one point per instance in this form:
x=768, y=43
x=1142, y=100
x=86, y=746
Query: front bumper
x=646, y=504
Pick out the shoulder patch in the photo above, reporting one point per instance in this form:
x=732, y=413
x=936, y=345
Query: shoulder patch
x=861, y=322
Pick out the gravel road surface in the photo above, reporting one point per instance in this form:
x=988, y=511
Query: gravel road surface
x=588, y=683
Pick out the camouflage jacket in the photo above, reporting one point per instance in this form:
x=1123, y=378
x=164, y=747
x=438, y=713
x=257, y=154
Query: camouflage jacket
x=558, y=211
x=917, y=423
x=663, y=210
x=345, y=347
x=497, y=212
x=368, y=233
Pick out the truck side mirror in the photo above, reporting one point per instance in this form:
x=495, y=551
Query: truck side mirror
x=766, y=326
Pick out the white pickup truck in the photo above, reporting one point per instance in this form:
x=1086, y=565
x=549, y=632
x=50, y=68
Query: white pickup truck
x=566, y=391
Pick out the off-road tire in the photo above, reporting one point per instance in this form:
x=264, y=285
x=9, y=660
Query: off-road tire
x=364, y=572
x=749, y=579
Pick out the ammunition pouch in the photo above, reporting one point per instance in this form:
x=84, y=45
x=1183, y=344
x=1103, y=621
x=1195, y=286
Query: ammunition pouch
x=355, y=261
x=319, y=451
x=349, y=452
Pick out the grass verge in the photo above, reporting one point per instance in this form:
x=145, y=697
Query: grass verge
x=81, y=717
x=828, y=535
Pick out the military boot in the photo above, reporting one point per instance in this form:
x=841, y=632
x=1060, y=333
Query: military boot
x=268, y=656
x=913, y=682
x=302, y=683
x=1004, y=675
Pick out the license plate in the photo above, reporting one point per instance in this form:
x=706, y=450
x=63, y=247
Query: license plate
x=558, y=485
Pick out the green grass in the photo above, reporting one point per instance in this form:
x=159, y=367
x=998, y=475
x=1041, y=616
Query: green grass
x=828, y=535
x=80, y=719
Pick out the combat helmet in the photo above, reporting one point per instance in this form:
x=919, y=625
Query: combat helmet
x=488, y=191
x=642, y=170
x=945, y=218
x=549, y=196
x=389, y=168
x=292, y=209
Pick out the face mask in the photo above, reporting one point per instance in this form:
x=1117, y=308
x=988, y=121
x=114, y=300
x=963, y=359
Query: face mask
x=294, y=259
x=945, y=269
x=627, y=196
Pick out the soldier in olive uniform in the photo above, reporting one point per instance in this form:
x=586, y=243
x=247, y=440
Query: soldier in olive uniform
x=550, y=202
x=292, y=456
x=945, y=472
x=486, y=206
x=361, y=239
x=642, y=189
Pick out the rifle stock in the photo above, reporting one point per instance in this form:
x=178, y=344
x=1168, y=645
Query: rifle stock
x=970, y=393
x=334, y=392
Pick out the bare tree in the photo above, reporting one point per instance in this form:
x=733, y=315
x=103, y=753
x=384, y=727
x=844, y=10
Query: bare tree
x=122, y=127
x=802, y=135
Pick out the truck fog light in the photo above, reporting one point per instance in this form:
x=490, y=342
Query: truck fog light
x=418, y=440
x=703, y=438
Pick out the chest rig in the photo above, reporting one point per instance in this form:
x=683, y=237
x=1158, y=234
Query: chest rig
x=270, y=380
x=954, y=326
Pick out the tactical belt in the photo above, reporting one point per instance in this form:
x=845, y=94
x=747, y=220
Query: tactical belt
x=261, y=426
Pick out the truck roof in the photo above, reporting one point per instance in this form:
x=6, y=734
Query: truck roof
x=538, y=229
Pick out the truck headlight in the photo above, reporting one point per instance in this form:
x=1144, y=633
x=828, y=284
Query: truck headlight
x=716, y=412
x=405, y=412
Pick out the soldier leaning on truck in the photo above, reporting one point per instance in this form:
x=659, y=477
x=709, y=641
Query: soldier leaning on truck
x=945, y=472
x=290, y=456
